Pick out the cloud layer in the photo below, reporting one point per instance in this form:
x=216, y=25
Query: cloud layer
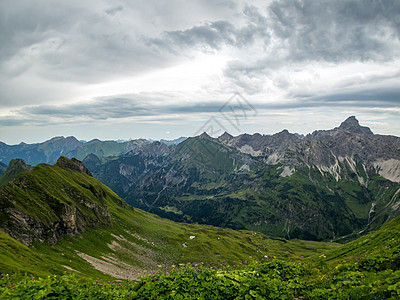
x=137, y=61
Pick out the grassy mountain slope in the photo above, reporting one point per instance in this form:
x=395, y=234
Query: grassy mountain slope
x=16, y=257
x=385, y=241
x=368, y=268
x=73, y=223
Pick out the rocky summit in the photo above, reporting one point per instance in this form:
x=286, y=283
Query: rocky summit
x=352, y=125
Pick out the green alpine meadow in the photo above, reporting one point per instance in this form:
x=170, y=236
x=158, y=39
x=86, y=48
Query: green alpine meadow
x=65, y=235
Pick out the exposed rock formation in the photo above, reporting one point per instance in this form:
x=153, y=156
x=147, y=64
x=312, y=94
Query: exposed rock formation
x=72, y=164
x=33, y=211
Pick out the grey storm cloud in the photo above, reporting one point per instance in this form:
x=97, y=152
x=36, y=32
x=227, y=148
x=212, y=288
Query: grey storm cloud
x=86, y=42
x=337, y=30
x=367, y=98
x=125, y=106
x=114, y=10
x=293, y=32
x=67, y=41
x=214, y=35
x=306, y=30
x=13, y=121
x=83, y=42
x=114, y=108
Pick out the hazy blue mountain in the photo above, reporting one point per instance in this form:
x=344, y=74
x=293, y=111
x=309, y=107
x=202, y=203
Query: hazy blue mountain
x=49, y=151
x=33, y=154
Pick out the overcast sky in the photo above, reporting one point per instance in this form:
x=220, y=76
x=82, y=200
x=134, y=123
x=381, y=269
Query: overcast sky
x=164, y=69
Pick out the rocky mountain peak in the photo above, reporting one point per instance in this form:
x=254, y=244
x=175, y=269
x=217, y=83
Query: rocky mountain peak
x=18, y=163
x=73, y=164
x=225, y=137
x=284, y=132
x=204, y=135
x=352, y=125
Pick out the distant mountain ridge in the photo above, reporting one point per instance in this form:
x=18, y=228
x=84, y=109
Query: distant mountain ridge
x=331, y=184
x=49, y=151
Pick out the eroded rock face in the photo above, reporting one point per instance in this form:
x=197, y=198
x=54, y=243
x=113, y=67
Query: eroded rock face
x=27, y=229
x=259, y=144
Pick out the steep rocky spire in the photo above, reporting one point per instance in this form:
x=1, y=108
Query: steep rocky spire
x=352, y=125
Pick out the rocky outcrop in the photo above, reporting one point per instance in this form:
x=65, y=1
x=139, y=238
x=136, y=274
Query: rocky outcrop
x=71, y=221
x=18, y=163
x=38, y=207
x=72, y=164
x=389, y=169
x=225, y=138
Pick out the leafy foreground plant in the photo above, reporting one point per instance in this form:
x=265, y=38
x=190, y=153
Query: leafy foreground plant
x=376, y=277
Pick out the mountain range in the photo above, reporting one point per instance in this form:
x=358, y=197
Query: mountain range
x=329, y=185
x=49, y=151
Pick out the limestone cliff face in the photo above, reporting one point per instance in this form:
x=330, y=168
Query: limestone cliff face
x=260, y=144
x=49, y=202
x=347, y=146
x=325, y=149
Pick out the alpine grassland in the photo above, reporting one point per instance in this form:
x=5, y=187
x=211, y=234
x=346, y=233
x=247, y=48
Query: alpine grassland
x=67, y=236
x=367, y=268
x=374, y=276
